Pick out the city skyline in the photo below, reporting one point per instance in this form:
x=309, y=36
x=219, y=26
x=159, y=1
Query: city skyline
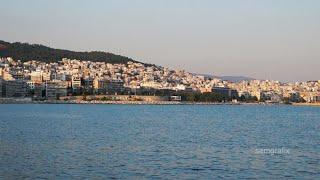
x=263, y=40
x=159, y=89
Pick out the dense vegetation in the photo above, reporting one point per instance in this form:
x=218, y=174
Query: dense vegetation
x=212, y=97
x=204, y=97
x=25, y=52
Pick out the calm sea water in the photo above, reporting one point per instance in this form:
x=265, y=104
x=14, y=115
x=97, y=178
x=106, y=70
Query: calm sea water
x=158, y=141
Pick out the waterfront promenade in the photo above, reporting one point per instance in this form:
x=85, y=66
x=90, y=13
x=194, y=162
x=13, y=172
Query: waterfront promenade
x=28, y=101
x=137, y=102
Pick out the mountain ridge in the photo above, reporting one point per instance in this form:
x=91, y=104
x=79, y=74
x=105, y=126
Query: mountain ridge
x=228, y=78
x=26, y=52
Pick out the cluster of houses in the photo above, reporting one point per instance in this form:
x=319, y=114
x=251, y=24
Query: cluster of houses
x=67, y=77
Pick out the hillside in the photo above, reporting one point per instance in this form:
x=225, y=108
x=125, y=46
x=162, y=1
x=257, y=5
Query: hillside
x=25, y=52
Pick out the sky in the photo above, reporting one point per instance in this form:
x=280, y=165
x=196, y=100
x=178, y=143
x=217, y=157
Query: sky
x=265, y=39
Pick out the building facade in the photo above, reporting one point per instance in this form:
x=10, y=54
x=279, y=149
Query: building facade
x=225, y=91
x=55, y=90
x=14, y=88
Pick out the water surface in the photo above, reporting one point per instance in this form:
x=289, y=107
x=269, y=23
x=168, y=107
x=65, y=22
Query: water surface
x=158, y=141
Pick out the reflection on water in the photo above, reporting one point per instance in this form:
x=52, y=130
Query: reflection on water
x=176, y=141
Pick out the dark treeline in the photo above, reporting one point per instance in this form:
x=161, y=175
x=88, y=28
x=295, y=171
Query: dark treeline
x=197, y=96
x=212, y=97
x=204, y=97
x=25, y=52
x=186, y=96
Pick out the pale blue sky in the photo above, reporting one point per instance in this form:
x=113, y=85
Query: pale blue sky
x=265, y=39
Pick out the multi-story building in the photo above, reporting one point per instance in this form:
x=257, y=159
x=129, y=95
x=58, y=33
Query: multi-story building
x=114, y=86
x=18, y=75
x=99, y=86
x=295, y=96
x=244, y=94
x=76, y=82
x=55, y=89
x=7, y=76
x=14, y=88
x=76, y=85
x=39, y=90
x=30, y=85
x=35, y=76
x=88, y=85
x=46, y=76
x=225, y=91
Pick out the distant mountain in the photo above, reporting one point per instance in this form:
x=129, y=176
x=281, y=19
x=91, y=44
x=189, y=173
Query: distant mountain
x=26, y=52
x=235, y=78
x=227, y=78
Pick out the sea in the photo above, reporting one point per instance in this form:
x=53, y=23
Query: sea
x=70, y=141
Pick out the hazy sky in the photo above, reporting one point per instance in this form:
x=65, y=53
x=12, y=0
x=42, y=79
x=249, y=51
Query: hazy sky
x=265, y=39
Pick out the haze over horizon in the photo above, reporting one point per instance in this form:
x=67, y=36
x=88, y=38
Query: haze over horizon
x=261, y=39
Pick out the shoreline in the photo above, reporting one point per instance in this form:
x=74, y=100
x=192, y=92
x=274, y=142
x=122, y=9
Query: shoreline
x=306, y=104
x=29, y=101
x=118, y=102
